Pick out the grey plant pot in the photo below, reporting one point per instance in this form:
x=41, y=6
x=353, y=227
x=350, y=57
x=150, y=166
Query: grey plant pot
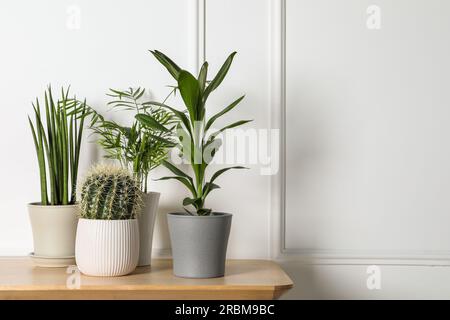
x=199, y=244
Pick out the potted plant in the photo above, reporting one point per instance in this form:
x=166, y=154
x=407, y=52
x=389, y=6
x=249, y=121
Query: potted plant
x=57, y=136
x=107, y=241
x=138, y=149
x=199, y=237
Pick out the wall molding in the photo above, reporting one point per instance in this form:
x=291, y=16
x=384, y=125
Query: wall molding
x=277, y=247
x=277, y=122
x=197, y=31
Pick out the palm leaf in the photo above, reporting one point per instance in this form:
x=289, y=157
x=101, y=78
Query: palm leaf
x=149, y=121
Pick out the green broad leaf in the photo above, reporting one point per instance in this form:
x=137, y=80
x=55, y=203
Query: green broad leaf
x=184, y=181
x=221, y=113
x=190, y=92
x=204, y=212
x=188, y=201
x=208, y=188
x=175, y=170
x=202, y=76
x=171, y=66
x=221, y=171
x=219, y=76
x=150, y=122
x=192, y=201
x=233, y=125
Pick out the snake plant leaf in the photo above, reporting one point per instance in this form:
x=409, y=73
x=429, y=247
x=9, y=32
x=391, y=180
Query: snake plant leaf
x=221, y=113
x=171, y=66
x=190, y=92
x=219, y=76
x=149, y=121
x=33, y=133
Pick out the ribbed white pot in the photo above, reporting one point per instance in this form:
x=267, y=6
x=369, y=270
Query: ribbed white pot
x=107, y=247
x=146, y=220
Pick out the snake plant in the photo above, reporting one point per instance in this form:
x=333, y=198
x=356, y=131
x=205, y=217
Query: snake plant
x=57, y=137
x=197, y=144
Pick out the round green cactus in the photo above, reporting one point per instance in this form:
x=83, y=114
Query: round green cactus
x=109, y=193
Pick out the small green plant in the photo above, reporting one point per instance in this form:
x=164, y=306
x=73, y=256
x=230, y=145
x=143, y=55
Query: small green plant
x=139, y=149
x=110, y=193
x=197, y=144
x=57, y=138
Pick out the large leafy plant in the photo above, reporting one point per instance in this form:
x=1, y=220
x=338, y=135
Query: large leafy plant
x=57, y=137
x=140, y=147
x=197, y=144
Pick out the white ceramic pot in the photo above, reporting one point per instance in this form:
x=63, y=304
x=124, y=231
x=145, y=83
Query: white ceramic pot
x=54, y=229
x=146, y=220
x=107, y=247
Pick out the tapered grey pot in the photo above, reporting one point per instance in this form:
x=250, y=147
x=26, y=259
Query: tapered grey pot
x=199, y=244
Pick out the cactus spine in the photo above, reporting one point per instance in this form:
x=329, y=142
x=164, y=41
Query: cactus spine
x=110, y=193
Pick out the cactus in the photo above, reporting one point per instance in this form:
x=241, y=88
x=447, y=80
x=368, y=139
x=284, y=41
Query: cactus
x=109, y=193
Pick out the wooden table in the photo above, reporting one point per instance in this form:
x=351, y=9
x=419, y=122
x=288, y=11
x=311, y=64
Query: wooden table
x=244, y=279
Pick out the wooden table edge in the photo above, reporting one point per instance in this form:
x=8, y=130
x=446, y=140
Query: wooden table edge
x=149, y=291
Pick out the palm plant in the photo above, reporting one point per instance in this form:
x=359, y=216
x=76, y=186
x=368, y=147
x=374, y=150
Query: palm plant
x=197, y=145
x=58, y=144
x=137, y=148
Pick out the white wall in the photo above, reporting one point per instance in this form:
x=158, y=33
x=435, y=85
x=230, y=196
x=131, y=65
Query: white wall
x=110, y=50
x=364, y=112
x=367, y=153
x=367, y=140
